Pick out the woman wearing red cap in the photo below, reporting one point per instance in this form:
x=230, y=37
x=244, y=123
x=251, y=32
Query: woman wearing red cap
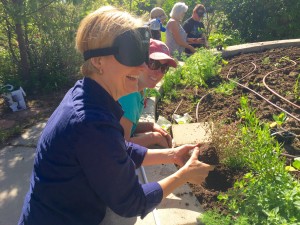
x=147, y=133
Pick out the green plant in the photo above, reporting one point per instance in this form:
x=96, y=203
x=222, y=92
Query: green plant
x=267, y=194
x=219, y=40
x=151, y=92
x=200, y=67
x=266, y=61
x=279, y=119
x=226, y=88
x=297, y=88
x=296, y=163
x=171, y=80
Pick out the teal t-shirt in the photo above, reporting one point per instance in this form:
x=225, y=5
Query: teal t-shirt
x=132, y=106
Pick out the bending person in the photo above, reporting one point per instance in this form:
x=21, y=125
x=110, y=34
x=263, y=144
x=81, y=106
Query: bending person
x=82, y=163
x=194, y=28
x=146, y=133
x=157, y=18
x=176, y=37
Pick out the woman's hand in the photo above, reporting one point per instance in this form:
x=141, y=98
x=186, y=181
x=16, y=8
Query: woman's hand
x=195, y=171
x=191, y=48
x=201, y=41
x=182, y=153
x=165, y=134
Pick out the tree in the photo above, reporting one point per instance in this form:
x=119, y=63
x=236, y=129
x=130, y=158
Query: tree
x=14, y=24
x=262, y=20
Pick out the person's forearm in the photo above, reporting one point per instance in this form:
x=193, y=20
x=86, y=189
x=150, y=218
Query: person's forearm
x=143, y=127
x=145, y=140
x=159, y=156
x=170, y=183
x=191, y=40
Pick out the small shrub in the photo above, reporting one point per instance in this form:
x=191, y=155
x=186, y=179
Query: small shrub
x=201, y=67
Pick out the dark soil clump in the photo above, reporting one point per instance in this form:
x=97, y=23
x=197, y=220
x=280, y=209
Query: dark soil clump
x=209, y=156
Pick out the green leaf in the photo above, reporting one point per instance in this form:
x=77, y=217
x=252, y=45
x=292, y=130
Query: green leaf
x=296, y=163
x=290, y=168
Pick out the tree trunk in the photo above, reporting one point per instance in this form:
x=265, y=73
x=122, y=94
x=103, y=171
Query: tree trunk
x=23, y=53
x=24, y=65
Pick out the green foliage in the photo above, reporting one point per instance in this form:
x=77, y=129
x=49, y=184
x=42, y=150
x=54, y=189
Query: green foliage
x=296, y=88
x=279, y=119
x=267, y=194
x=213, y=217
x=261, y=20
x=48, y=30
x=226, y=88
x=200, y=67
x=151, y=92
x=219, y=39
x=296, y=163
x=171, y=81
x=266, y=61
x=270, y=195
x=50, y=46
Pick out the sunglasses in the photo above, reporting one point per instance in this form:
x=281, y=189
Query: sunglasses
x=155, y=65
x=130, y=48
x=200, y=13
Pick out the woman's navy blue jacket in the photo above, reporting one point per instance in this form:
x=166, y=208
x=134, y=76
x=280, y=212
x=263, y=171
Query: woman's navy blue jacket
x=83, y=164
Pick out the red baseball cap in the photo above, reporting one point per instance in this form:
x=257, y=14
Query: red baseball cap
x=158, y=50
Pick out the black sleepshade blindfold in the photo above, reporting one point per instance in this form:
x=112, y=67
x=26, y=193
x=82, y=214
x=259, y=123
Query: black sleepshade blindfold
x=130, y=48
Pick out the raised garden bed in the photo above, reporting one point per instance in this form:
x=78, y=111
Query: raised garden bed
x=271, y=81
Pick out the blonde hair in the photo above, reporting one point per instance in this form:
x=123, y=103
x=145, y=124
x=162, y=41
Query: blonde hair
x=158, y=12
x=178, y=9
x=99, y=30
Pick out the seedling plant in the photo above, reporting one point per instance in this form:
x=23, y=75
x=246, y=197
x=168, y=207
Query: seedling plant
x=226, y=88
x=297, y=88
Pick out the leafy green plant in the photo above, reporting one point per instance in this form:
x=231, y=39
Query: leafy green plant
x=280, y=119
x=151, y=92
x=266, y=61
x=171, y=81
x=214, y=217
x=267, y=194
x=219, y=40
x=200, y=67
x=226, y=88
x=297, y=88
x=296, y=163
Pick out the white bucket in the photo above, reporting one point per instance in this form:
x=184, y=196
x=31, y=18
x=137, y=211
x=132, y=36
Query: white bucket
x=15, y=99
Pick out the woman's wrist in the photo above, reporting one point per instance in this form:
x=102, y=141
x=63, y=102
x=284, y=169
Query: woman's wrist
x=172, y=155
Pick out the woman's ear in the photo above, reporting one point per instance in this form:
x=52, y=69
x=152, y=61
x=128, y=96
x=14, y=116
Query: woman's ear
x=97, y=62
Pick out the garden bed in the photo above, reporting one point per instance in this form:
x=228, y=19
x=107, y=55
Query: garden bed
x=282, y=67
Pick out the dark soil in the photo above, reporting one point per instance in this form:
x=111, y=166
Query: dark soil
x=250, y=70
